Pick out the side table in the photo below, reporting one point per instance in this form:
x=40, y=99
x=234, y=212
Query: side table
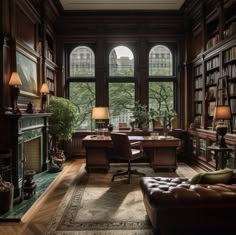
x=221, y=155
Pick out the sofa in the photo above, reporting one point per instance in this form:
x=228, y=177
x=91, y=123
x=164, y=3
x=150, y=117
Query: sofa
x=198, y=206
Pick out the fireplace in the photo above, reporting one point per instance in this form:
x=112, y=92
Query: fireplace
x=32, y=154
x=27, y=137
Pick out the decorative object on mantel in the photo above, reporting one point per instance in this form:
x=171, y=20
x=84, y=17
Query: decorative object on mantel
x=15, y=82
x=29, y=108
x=6, y=195
x=44, y=91
x=62, y=124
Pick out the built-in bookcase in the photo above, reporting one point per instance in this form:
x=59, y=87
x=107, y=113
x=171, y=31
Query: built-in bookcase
x=213, y=59
x=198, y=90
x=229, y=70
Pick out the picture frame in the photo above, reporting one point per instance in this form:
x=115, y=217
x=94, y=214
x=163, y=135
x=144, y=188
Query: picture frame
x=27, y=70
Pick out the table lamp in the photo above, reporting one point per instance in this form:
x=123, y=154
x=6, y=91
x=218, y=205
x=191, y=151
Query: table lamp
x=222, y=113
x=15, y=82
x=44, y=91
x=99, y=114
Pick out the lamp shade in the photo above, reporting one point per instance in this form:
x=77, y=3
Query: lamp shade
x=222, y=112
x=44, y=89
x=100, y=113
x=15, y=80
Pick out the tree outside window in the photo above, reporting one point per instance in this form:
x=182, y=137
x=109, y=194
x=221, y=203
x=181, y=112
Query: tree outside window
x=121, y=85
x=82, y=91
x=162, y=82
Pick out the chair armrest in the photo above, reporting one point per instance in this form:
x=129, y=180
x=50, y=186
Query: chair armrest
x=137, y=144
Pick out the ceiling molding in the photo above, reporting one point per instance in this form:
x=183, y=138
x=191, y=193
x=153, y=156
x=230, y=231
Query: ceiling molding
x=121, y=4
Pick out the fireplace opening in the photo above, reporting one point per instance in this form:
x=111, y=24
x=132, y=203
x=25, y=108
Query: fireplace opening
x=33, y=155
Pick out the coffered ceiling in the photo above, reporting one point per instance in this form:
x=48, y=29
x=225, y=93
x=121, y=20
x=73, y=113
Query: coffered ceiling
x=121, y=4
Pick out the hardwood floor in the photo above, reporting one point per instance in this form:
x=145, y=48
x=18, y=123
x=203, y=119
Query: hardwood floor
x=37, y=218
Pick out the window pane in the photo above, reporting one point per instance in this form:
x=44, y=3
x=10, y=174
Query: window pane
x=121, y=62
x=160, y=61
x=82, y=62
x=83, y=95
x=161, y=97
x=121, y=100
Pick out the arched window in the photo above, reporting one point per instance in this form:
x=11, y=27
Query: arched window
x=162, y=81
x=82, y=62
x=121, y=62
x=160, y=61
x=81, y=83
x=121, y=85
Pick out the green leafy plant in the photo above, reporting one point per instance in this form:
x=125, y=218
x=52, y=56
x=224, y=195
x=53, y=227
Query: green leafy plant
x=62, y=122
x=141, y=113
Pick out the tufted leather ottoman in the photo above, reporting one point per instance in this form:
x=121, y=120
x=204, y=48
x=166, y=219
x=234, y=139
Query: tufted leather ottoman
x=174, y=206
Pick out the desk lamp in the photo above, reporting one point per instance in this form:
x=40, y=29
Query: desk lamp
x=15, y=82
x=222, y=113
x=44, y=91
x=100, y=114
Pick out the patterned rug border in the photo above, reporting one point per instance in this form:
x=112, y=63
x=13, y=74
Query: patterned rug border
x=63, y=221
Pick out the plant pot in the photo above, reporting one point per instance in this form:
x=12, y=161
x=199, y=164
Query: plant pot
x=6, y=199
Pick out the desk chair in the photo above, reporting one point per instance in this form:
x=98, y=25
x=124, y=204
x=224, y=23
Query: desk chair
x=124, y=149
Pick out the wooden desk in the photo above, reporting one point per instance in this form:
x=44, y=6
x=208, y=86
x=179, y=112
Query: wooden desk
x=162, y=151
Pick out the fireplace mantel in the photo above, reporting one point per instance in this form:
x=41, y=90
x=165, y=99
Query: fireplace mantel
x=20, y=129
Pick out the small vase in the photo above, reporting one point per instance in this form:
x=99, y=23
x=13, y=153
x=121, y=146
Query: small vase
x=174, y=121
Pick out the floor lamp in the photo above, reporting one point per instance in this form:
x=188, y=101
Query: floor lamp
x=100, y=114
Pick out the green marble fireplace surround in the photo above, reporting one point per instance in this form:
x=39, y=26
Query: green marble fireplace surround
x=28, y=139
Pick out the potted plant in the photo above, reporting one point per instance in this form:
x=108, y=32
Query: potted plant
x=62, y=124
x=141, y=115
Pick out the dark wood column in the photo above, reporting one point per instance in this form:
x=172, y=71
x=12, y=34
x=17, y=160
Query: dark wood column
x=101, y=84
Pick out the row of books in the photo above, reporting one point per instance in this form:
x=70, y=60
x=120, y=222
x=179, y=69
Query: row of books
x=234, y=122
x=49, y=74
x=233, y=105
x=232, y=89
x=198, y=82
x=50, y=85
x=212, y=41
x=230, y=54
x=198, y=108
x=213, y=63
x=212, y=78
x=230, y=30
x=198, y=70
x=198, y=95
x=230, y=70
x=211, y=108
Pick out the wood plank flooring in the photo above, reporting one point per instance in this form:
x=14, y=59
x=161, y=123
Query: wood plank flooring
x=37, y=218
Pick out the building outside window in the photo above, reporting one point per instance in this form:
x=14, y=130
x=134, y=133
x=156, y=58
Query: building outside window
x=82, y=83
x=162, y=81
x=121, y=85
x=121, y=82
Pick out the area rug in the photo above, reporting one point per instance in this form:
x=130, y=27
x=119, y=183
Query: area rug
x=93, y=205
